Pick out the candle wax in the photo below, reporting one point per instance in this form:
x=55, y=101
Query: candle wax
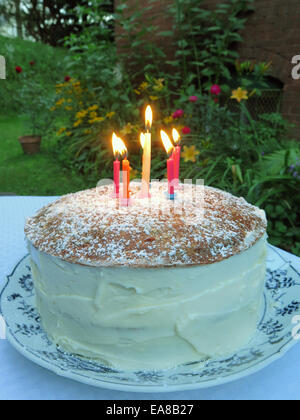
x=116, y=178
x=171, y=171
x=146, y=166
x=126, y=179
x=177, y=155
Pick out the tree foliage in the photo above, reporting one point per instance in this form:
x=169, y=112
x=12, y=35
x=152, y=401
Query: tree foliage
x=48, y=21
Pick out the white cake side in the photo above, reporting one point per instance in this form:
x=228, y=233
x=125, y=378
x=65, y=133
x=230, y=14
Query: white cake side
x=151, y=318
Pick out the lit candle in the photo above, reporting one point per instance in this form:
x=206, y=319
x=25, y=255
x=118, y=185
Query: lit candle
x=117, y=152
x=170, y=163
x=120, y=152
x=146, y=139
x=126, y=180
x=116, y=178
x=176, y=155
x=143, y=142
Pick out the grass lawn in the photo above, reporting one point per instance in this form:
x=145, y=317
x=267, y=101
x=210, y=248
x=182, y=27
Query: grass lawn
x=30, y=175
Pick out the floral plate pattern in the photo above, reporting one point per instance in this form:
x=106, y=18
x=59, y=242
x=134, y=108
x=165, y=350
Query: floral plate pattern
x=273, y=338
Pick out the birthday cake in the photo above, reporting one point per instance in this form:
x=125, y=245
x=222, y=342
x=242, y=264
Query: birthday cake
x=151, y=285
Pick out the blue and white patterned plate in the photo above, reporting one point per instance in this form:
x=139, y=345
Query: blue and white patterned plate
x=273, y=338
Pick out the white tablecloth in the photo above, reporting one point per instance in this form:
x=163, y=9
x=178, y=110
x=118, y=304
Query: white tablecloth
x=21, y=379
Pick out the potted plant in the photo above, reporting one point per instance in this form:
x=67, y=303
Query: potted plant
x=30, y=144
x=34, y=102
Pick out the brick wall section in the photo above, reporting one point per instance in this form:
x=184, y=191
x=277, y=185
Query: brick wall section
x=272, y=34
x=158, y=18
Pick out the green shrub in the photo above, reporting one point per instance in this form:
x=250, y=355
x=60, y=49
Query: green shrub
x=45, y=62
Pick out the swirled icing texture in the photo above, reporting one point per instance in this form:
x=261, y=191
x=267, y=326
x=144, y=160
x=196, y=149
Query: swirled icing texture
x=152, y=285
x=151, y=318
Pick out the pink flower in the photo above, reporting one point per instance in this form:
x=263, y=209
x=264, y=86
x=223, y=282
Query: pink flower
x=19, y=69
x=215, y=90
x=194, y=98
x=186, y=130
x=178, y=114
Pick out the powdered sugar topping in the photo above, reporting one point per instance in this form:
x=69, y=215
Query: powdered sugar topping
x=202, y=225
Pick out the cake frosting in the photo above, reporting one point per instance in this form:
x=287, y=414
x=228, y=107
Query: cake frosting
x=204, y=225
x=153, y=285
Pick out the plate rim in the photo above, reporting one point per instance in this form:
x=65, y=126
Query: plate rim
x=100, y=383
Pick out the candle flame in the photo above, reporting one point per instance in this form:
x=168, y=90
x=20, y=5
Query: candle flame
x=149, y=117
x=167, y=142
x=176, y=136
x=119, y=148
x=143, y=140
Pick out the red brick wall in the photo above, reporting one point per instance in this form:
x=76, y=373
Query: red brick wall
x=156, y=16
x=272, y=34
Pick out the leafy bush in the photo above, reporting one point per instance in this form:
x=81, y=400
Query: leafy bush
x=123, y=81
x=26, y=58
x=204, y=39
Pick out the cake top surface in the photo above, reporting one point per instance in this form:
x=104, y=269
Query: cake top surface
x=202, y=225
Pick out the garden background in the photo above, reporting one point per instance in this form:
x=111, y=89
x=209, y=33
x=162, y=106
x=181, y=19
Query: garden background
x=76, y=73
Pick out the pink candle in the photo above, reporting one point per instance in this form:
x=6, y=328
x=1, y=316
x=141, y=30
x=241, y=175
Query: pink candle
x=170, y=163
x=177, y=156
x=177, y=163
x=120, y=151
x=171, y=171
x=117, y=178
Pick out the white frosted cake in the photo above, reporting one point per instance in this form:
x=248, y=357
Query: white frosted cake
x=153, y=285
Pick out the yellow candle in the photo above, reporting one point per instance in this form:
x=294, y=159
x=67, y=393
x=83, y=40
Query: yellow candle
x=146, y=140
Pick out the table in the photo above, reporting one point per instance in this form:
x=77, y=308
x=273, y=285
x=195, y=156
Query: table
x=21, y=379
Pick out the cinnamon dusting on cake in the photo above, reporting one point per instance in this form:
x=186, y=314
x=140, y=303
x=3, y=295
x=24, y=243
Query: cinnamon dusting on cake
x=91, y=228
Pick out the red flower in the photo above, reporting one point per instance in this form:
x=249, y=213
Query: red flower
x=67, y=78
x=32, y=63
x=19, y=69
x=178, y=114
x=194, y=99
x=186, y=130
x=215, y=90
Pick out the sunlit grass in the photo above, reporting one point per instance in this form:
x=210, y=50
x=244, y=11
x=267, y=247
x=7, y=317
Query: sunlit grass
x=30, y=175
